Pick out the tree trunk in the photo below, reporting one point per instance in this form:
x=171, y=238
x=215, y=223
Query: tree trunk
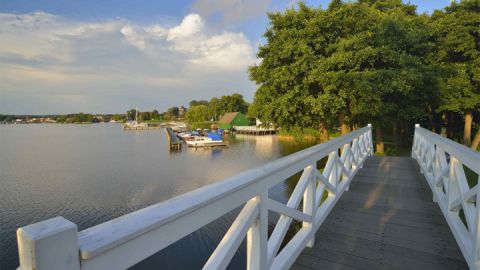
x=476, y=141
x=467, y=130
x=343, y=124
x=430, y=118
x=379, y=139
x=450, y=126
x=323, y=132
x=395, y=135
x=443, y=128
x=404, y=137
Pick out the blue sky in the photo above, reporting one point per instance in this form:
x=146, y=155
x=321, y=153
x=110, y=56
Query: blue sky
x=109, y=56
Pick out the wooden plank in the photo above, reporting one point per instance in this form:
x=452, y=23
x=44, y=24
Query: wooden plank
x=386, y=221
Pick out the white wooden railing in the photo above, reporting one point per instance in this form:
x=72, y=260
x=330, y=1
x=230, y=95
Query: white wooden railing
x=442, y=162
x=120, y=243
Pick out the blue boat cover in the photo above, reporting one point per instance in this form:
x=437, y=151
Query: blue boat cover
x=215, y=136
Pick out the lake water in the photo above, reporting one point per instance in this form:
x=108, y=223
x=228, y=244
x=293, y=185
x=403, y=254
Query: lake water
x=93, y=173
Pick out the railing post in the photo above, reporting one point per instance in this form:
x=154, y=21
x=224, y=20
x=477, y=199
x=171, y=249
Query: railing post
x=347, y=162
x=414, y=145
x=437, y=170
x=309, y=206
x=370, y=139
x=257, y=236
x=476, y=232
x=453, y=191
x=49, y=245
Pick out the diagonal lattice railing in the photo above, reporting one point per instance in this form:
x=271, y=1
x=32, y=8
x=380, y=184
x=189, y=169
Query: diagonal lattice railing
x=127, y=240
x=443, y=163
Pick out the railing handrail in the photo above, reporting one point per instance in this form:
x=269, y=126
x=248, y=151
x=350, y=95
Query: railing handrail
x=442, y=163
x=115, y=243
x=465, y=154
x=92, y=241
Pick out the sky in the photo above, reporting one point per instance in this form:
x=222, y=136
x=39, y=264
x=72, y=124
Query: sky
x=66, y=56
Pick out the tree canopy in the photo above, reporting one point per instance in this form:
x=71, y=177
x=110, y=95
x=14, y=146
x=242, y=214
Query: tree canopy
x=369, y=61
x=198, y=113
x=216, y=107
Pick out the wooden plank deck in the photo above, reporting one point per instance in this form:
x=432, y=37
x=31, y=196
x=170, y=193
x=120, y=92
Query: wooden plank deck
x=386, y=221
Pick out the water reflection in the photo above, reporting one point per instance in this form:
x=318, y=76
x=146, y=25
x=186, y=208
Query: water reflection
x=93, y=173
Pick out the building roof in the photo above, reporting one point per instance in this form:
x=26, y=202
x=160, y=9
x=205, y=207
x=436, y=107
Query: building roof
x=227, y=118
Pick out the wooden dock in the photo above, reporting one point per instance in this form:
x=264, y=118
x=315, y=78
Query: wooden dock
x=173, y=141
x=254, y=130
x=387, y=220
x=126, y=128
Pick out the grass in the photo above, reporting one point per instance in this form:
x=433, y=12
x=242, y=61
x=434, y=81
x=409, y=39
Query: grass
x=306, y=134
x=299, y=134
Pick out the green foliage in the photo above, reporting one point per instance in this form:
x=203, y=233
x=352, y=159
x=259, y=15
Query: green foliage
x=131, y=114
x=218, y=106
x=369, y=61
x=457, y=32
x=76, y=118
x=214, y=108
x=203, y=125
x=198, y=102
x=233, y=103
x=155, y=115
x=198, y=113
x=300, y=134
x=173, y=111
x=119, y=117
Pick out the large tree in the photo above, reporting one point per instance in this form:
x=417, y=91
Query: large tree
x=376, y=65
x=457, y=29
x=353, y=62
x=214, y=109
x=173, y=111
x=233, y=103
x=288, y=95
x=198, y=113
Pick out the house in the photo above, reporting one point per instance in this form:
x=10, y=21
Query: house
x=228, y=120
x=182, y=111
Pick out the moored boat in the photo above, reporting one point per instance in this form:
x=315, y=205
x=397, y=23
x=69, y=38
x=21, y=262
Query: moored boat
x=213, y=139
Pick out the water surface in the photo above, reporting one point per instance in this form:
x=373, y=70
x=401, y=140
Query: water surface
x=93, y=173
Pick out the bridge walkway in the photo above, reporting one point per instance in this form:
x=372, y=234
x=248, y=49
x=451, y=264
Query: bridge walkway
x=387, y=220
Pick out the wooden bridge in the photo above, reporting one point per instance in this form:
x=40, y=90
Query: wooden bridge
x=357, y=212
x=387, y=220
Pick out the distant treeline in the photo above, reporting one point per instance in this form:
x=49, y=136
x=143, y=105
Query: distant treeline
x=203, y=110
x=63, y=118
x=372, y=61
x=199, y=111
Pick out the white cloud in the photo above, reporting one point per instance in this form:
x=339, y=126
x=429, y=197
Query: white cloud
x=191, y=26
x=48, y=62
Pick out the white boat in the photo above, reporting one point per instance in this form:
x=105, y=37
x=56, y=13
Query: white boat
x=201, y=141
x=135, y=124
